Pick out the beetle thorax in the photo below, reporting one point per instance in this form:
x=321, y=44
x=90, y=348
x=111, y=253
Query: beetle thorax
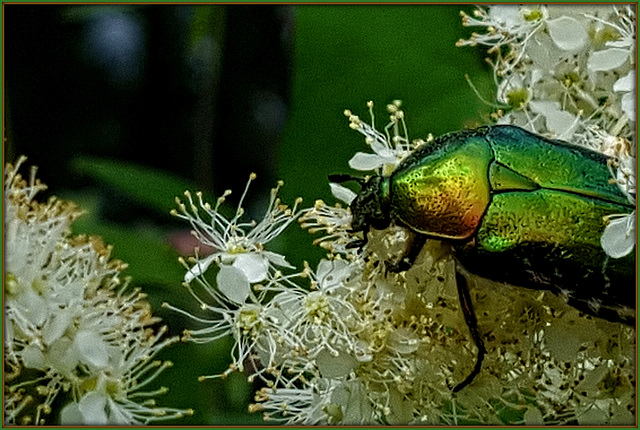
x=370, y=207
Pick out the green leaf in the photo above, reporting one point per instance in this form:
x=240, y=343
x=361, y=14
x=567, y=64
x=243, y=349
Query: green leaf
x=149, y=257
x=154, y=189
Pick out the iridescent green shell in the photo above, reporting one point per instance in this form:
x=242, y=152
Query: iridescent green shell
x=518, y=208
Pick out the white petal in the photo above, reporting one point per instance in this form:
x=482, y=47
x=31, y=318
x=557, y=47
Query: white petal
x=364, y=161
x=536, y=75
x=253, y=265
x=8, y=332
x=57, y=325
x=342, y=193
x=33, y=358
x=403, y=341
x=507, y=15
x=533, y=417
x=544, y=106
x=199, y=268
x=71, y=415
x=277, y=259
x=119, y=416
x=628, y=105
x=560, y=122
x=283, y=306
x=619, y=237
x=331, y=273
x=73, y=292
x=233, y=283
x=568, y=33
x=622, y=43
x=92, y=407
x=34, y=307
x=63, y=356
x=625, y=83
x=332, y=366
x=91, y=348
x=324, y=267
x=607, y=59
x=381, y=149
x=353, y=397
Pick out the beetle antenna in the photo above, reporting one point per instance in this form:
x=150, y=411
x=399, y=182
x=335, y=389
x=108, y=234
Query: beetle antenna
x=340, y=178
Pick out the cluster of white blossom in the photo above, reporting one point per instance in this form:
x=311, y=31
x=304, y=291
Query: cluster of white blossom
x=74, y=334
x=568, y=72
x=352, y=343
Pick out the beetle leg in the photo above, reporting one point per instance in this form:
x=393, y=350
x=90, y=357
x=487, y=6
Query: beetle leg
x=416, y=242
x=472, y=323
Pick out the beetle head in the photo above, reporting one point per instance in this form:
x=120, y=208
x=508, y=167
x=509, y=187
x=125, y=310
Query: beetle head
x=370, y=207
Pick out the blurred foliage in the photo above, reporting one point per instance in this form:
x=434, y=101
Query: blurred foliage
x=342, y=56
x=151, y=188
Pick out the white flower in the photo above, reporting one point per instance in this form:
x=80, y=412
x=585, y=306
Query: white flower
x=619, y=237
x=69, y=321
x=568, y=33
x=627, y=86
x=342, y=193
x=294, y=406
x=238, y=246
x=507, y=25
x=514, y=92
x=335, y=222
x=255, y=328
x=322, y=401
x=321, y=319
x=388, y=150
x=562, y=81
x=247, y=274
x=108, y=399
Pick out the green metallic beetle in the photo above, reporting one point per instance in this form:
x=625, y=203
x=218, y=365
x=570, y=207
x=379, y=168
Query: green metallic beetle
x=517, y=208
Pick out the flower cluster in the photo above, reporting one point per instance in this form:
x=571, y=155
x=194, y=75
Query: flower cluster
x=74, y=334
x=569, y=72
x=246, y=274
x=353, y=343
